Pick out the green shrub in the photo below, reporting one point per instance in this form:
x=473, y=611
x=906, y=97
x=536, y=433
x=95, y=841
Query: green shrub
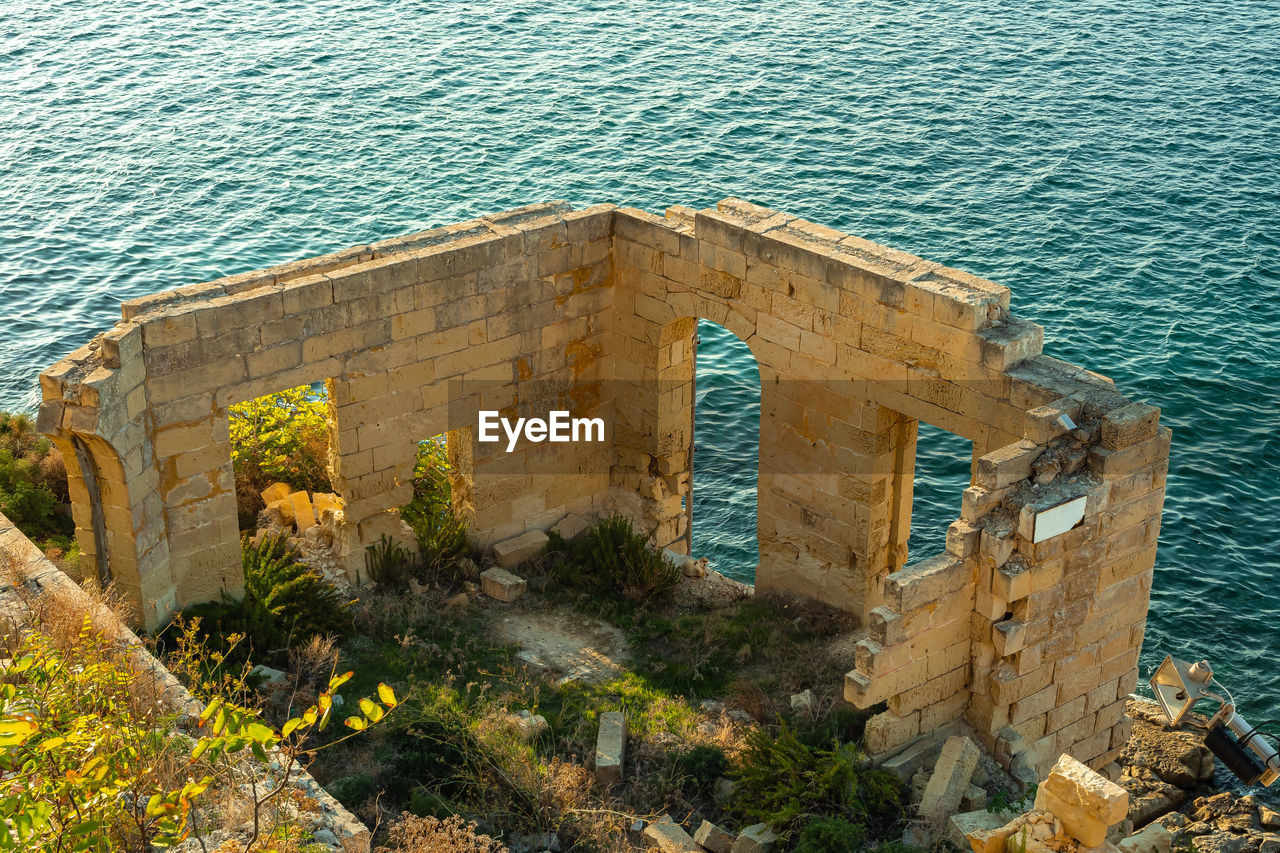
x=424, y=802
x=610, y=560
x=388, y=563
x=441, y=533
x=33, y=482
x=303, y=602
x=282, y=437
x=355, y=790
x=829, y=835
x=700, y=766
x=785, y=782
x=285, y=603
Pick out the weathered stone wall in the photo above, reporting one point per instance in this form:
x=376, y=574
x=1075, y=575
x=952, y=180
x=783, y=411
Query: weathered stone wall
x=596, y=311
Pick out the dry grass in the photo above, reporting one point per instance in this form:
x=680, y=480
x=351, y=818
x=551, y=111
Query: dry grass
x=413, y=834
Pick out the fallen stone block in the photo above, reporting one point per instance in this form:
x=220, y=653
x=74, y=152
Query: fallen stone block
x=960, y=826
x=272, y=679
x=502, y=585
x=275, y=492
x=280, y=511
x=1154, y=838
x=513, y=552
x=569, y=527
x=974, y=798
x=611, y=745
x=805, y=702
x=322, y=501
x=304, y=515
x=950, y=778
x=1086, y=803
x=531, y=725
x=669, y=837
x=905, y=764
x=717, y=840
x=757, y=838
x=538, y=842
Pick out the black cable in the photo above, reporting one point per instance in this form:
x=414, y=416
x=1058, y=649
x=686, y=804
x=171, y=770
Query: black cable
x=1256, y=730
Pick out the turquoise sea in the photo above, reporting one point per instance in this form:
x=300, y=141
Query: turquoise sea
x=1116, y=163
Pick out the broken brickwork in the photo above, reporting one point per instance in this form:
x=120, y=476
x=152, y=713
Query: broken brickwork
x=595, y=311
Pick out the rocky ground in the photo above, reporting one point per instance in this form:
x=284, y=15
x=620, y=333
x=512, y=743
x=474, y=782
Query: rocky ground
x=1170, y=776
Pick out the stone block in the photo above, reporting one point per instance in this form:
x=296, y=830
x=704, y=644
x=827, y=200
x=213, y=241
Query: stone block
x=757, y=838
x=275, y=492
x=887, y=730
x=1154, y=838
x=887, y=627
x=950, y=779
x=924, y=582
x=1006, y=466
x=611, y=745
x=513, y=552
x=974, y=798
x=961, y=826
x=1129, y=425
x=905, y=764
x=502, y=585
x=530, y=725
x=304, y=516
x=668, y=836
x=716, y=840
x=1011, y=582
x=324, y=502
x=570, y=526
x=1087, y=803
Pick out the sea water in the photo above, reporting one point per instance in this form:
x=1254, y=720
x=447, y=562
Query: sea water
x=1116, y=163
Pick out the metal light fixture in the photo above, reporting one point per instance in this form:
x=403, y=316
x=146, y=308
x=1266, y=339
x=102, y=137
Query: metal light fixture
x=1178, y=685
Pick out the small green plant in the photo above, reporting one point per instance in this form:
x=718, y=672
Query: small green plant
x=613, y=565
x=285, y=603
x=303, y=602
x=700, y=766
x=388, y=563
x=440, y=531
x=829, y=834
x=786, y=783
x=1003, y=800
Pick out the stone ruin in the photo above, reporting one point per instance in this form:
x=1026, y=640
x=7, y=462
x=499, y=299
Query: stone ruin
x=1027, y=626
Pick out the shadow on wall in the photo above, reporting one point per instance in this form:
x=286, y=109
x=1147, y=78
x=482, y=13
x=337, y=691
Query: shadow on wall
x=726, y=453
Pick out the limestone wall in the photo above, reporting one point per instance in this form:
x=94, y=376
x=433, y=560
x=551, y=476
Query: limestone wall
x=596, y=311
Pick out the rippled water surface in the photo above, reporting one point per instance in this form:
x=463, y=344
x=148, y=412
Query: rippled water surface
x=1114, y=162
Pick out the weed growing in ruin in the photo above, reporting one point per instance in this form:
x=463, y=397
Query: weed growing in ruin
x=388, y=562
x=824, y=834
x=786, y=783
x=429, y=835
x=612, y=570
x=440, y=531
x=285, y=603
